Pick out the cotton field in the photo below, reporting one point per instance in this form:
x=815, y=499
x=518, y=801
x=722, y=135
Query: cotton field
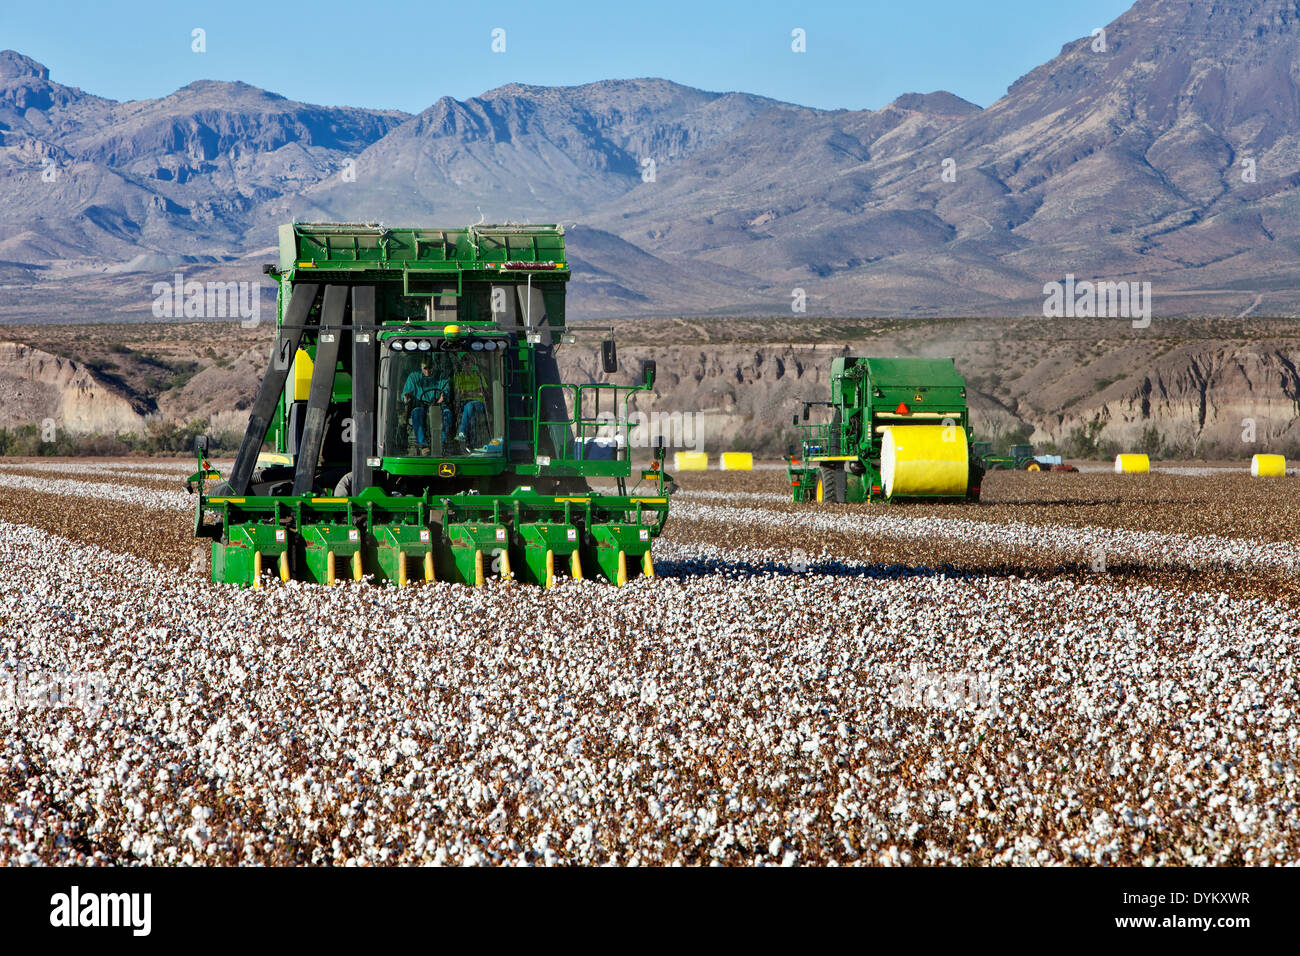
x=862, y=686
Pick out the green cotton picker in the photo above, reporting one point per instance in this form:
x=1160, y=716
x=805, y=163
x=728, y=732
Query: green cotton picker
x=419, y=427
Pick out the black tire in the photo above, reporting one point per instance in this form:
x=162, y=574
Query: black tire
x=835, y=484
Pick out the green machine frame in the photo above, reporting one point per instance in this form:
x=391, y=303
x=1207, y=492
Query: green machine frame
x=341, y=499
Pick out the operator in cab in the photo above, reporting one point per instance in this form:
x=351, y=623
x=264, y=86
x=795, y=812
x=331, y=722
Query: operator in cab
x=471, y=388
x=422, y=392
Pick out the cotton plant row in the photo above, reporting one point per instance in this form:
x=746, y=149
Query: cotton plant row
x=1089, y=544
x=732, y=711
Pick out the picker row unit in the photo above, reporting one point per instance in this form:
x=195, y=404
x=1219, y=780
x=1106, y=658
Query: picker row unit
x=895, y=429
x=419, y=426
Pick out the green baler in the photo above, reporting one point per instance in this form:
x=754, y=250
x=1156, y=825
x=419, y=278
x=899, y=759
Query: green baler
x=895, y=428
x=419, y=427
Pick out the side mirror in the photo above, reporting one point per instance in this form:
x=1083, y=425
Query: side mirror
x=789, y=451
x=795, y=420
x=650, y=369
x=806, y=410
x=201, y=444
x=609, y=356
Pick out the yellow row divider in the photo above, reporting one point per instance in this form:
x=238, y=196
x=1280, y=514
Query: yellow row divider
x=622, y=568
x=428, y=567
x=478, y=568
x=550, y=568
x=284, y=566
x=401, y=569
x=505, y=566
x=257, y=569
x=575, y=566
x=648, y=565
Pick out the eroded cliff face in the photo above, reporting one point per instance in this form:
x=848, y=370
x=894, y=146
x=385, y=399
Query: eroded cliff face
x=36, y=386
x=1225, y=397
x=1200, y=395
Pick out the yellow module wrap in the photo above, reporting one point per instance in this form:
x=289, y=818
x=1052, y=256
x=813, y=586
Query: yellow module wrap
x=1132, y=464
x=924, y=460
x=1268, y=466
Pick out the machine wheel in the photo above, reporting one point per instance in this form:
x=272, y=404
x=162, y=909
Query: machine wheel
x=833, y=484
x=1033, y=466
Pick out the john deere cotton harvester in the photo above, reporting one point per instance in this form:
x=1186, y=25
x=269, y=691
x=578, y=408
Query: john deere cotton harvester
x=419, y=426
x=897, y=429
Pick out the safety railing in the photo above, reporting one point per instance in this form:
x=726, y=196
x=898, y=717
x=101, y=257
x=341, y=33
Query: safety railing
x=820, y=438
x=595, y=435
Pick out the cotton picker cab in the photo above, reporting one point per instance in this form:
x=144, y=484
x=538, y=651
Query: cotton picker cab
x=418, y=425
x=894, y=429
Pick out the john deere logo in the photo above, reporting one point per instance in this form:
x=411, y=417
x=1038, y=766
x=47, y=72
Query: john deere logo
x=918, y=397
x=446, y=469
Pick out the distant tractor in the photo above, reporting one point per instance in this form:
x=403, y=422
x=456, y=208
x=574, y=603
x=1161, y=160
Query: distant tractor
x=896, y=429
x=1018, y=458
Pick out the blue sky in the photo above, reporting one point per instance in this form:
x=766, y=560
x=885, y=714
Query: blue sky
x=405, y=55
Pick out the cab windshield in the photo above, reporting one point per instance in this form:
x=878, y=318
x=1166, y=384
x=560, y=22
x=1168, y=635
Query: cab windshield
x=442, y=404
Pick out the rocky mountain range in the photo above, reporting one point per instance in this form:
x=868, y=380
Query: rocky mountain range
x=1166, y=150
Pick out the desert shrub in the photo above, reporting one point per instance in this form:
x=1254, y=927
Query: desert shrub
x=29, y=441
x=1084, y=441
x=159, y=438
x=1151, y=443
